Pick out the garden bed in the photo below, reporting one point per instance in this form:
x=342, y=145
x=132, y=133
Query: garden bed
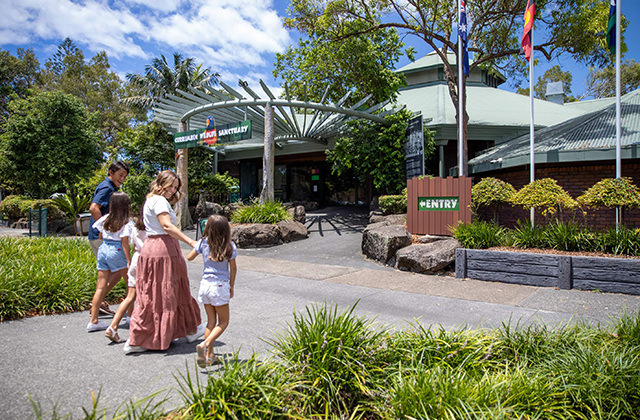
x=557, y=269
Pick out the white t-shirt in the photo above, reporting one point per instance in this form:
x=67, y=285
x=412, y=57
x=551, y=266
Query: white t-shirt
x=155, y=205
x=136, y=237
x=111, y=236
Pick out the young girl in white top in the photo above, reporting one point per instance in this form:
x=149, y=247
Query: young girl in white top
x=136, y=234
x=114, y=255
x=218, y=279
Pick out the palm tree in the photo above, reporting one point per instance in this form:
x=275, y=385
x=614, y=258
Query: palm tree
x=161, y=79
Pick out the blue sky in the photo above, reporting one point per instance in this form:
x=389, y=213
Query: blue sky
x=237, y=38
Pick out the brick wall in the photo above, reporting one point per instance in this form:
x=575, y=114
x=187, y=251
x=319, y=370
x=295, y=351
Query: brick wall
x=575, y=179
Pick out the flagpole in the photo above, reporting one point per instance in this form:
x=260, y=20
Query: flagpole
x=618, y=89
x=461, y=171
x=532, y=169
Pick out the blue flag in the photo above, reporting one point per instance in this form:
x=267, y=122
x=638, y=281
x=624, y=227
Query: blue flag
x=611, y=28
x=462, y=32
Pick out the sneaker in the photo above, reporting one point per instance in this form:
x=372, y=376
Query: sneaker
x=128, y=348
x=105, y=309
x=199, y=333
x=100, y=326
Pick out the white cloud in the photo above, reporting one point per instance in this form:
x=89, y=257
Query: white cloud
x=221, y=33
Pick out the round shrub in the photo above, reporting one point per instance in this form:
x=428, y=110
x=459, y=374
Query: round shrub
x=544, y=194
x=612, y=192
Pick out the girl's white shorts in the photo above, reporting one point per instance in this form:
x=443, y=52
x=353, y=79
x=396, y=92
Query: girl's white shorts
x=214, y=292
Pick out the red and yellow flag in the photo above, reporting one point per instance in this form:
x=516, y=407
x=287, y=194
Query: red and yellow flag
x=529, y=14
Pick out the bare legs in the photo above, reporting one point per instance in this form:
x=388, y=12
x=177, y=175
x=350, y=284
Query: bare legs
x=106, y=281
x=217, y=322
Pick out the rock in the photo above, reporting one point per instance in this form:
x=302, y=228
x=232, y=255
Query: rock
x=290, y=230
x=308, y=205
x=67, y=231
x=230, y=208
x=427, y=239
x=298, y=213
x=382, y=242
x=392, y=219
x=204, y=209
x=374, y=205
x=56, y=225
x=255, y=235
x=427, y=258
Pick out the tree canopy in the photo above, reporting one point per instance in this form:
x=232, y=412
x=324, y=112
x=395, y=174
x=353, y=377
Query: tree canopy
x=17, y=77
x=50, y=142
x=495, y=28
x=554, y=74
x=601, y=83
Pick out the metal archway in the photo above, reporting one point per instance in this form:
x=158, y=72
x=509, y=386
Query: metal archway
x=281, y=122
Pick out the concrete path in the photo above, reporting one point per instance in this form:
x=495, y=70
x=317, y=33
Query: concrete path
x=56, y=362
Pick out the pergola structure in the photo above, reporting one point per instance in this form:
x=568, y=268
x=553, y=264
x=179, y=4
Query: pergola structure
x=275, y=123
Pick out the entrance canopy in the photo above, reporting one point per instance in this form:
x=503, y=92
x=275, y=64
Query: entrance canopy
x=294, y=122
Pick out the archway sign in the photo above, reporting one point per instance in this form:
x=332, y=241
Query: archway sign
x=272, y=122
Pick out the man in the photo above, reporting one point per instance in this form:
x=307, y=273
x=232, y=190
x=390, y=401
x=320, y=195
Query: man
x=118, y=172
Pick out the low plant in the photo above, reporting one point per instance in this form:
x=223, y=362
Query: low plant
x=523, y=235
x=393, y=204
x=546, y=195
x=17, y=206
x=270, y=212
x=491, y=192
x=479, y=234
x=47, y=275
x=71, y=206
x=564, y=236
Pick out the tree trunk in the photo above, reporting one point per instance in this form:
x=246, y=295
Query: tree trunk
x=267, y=156
x=183, y=217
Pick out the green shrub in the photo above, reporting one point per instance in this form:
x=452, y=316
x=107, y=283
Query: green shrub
x=393, y=204
x=479, y=234
x=270, y=212
x=137, y=187
x=562, y=235
x=491, y=192
x=47, y=275
x=611, y=192
x=211, y=186
x=544, y=194
x=17, y=206
x=72, y=206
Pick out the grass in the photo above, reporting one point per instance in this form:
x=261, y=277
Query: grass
x=46, y=276
x=336, y=365
x=270, y=212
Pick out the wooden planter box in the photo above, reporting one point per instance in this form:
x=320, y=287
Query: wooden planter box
x=615, y=275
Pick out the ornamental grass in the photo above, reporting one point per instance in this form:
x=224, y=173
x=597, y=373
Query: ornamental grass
x=46, y=276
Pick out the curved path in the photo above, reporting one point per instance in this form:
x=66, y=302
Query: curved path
x=55, y=361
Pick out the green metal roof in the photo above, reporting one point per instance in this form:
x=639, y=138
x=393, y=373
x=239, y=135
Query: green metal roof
x=588, y=137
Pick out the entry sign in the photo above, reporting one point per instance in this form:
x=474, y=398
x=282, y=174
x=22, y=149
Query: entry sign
x=438, y=203
x=213, y=135
x=414, y=148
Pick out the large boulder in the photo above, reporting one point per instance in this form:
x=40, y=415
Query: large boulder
x=391, y=219
x=290, y=230
x=204, y=209
x=428, y=258
x=298, y=213
x=230, y=208
x=256, y=235
x=381, y=243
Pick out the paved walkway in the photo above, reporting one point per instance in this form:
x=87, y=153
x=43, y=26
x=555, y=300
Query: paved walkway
x=55, y=361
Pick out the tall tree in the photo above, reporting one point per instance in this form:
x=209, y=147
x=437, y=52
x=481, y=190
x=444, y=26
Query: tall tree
x=554, y=74
x=148, y=147
x=17, y=78
x=51, y=142
x=361, y=65
x=601, y=83
x=161, y=79
x=93, y=82
x=494, y=31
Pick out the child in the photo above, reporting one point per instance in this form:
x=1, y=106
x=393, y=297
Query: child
x=114, y=255
x=136, y=234
x=216, y=287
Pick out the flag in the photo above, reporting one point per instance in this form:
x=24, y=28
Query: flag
x=611, y=28
x=462, y=32
x=529, y=14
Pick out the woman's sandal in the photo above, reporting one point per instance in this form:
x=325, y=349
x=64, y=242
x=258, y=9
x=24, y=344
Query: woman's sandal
x=112, y=335
x=213, y=361
x=201, y=360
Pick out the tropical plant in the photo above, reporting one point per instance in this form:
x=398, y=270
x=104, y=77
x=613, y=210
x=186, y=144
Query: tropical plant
x=160, y=79
x=479, y=234
x=491, y=192
x=72, y=206
x=270, y=212
x=544, y=194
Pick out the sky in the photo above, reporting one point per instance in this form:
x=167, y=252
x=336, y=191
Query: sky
x=236, y=38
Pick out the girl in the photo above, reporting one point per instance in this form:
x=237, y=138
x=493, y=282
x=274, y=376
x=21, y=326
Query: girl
x=113, y=256
x=136, y=234
x=165, y=309
x=218, y=279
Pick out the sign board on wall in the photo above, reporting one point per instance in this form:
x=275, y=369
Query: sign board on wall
x=438, y=203
x=212, y=135
x=414, y=148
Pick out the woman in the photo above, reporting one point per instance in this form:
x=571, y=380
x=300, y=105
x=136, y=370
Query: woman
x=165, y=309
